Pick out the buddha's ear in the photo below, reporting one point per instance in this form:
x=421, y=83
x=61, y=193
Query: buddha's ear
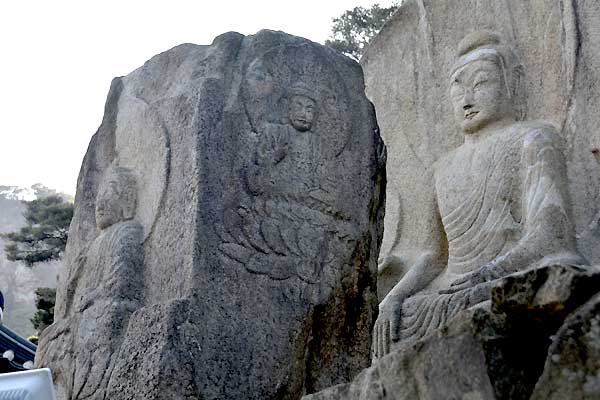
x=519, y=92
x=129, y=193
x=129, y=205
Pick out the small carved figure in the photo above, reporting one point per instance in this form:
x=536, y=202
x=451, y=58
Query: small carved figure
x=302, y=109
x=289, y=161
x=500, y=204
x=291, y=224
x=112, y=270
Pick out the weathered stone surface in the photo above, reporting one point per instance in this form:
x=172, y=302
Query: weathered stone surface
x=514, y=187
x=260, y=184
x=549, y=293
x=498, y=205
x=406, y=72
x=445, y=366
x=572, y=369
x=497, y=350
x=103, y=290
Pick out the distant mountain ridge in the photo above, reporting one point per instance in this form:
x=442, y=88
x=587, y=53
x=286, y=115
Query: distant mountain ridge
x=36, y=191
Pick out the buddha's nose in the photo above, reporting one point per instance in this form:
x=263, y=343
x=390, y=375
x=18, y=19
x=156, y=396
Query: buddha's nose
x=467, y=107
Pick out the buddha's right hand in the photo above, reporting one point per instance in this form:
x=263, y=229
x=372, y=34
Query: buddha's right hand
x=387, y=326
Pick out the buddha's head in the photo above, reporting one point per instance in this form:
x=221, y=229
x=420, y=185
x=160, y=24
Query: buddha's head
x=302, y=108
x=486, y=82
x=116, y=200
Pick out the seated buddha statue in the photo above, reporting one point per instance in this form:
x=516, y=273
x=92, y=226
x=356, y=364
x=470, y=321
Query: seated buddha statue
x=500, y=203
x=81, y=348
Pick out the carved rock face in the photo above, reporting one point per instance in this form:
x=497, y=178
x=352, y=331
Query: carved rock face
x=499, y=353
x=479, y=95
x=500, y=198
x=302, y=112
x=406, y=68
x=261, y=222
x=109, y=208
x=116, y=197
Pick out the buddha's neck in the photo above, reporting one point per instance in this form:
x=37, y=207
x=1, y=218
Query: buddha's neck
x=487, y=131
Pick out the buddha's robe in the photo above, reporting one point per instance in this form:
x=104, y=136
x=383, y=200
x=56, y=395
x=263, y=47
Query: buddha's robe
x=503, y=205
x=82, y=348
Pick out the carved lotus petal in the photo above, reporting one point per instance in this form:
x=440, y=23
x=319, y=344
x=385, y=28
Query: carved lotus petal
x=308, y=271
x=233, y=223
x=276, y=267
x=310, y=240
x=272, y=235
x=252, y=232
x=235, y=252
x=289, y=234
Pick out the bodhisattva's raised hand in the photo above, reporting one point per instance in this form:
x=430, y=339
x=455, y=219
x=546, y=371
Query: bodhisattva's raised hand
x=273, y=148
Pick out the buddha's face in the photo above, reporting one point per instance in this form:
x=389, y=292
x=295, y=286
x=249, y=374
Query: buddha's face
x=109, y=207
x=479, y=95
x=302, y=112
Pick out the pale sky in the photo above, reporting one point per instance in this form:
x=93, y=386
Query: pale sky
x=59, y=57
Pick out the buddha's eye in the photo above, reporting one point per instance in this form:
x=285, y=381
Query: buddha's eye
x=479, y=83
x=456, y=92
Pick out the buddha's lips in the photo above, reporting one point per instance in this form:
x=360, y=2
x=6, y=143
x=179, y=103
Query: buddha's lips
x=471, y=114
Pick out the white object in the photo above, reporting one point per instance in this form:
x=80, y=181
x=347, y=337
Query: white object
x=9, y=354
x=28, y=385
x=28, y=365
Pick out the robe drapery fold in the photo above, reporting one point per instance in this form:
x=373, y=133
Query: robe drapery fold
x=514, y=217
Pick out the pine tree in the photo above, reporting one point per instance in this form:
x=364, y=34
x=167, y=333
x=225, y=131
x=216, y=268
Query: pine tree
x=44, y=236
x=355, y=28
x=44, y=302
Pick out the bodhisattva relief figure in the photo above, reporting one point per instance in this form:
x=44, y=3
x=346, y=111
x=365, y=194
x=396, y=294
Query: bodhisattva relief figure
x=109, y=288
x=289, y=160
x=291, y=228
x=500, y=204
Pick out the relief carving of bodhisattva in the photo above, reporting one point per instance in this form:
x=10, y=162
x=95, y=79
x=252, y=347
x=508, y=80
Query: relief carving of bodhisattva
x=500, y=201
x=291, y=227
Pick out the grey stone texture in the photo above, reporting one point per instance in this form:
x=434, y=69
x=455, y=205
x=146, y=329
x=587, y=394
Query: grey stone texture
x=247, y=268
x=499, y=202
x=492, y=200
x=572, y=369
x=103, y=288
x=406, y=73
x=498, y=350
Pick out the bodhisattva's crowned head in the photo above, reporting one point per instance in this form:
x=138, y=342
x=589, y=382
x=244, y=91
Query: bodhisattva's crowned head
x=302, y=108
x=486, y=83
x=116, y=199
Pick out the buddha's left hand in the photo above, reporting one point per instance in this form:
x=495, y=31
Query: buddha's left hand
x=487, y=273
x=386, y=329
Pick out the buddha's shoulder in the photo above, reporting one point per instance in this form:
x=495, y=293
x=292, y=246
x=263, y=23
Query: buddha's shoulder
x=536, y=133
x=128, y=233
x=444, y=159
x=443, y=164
